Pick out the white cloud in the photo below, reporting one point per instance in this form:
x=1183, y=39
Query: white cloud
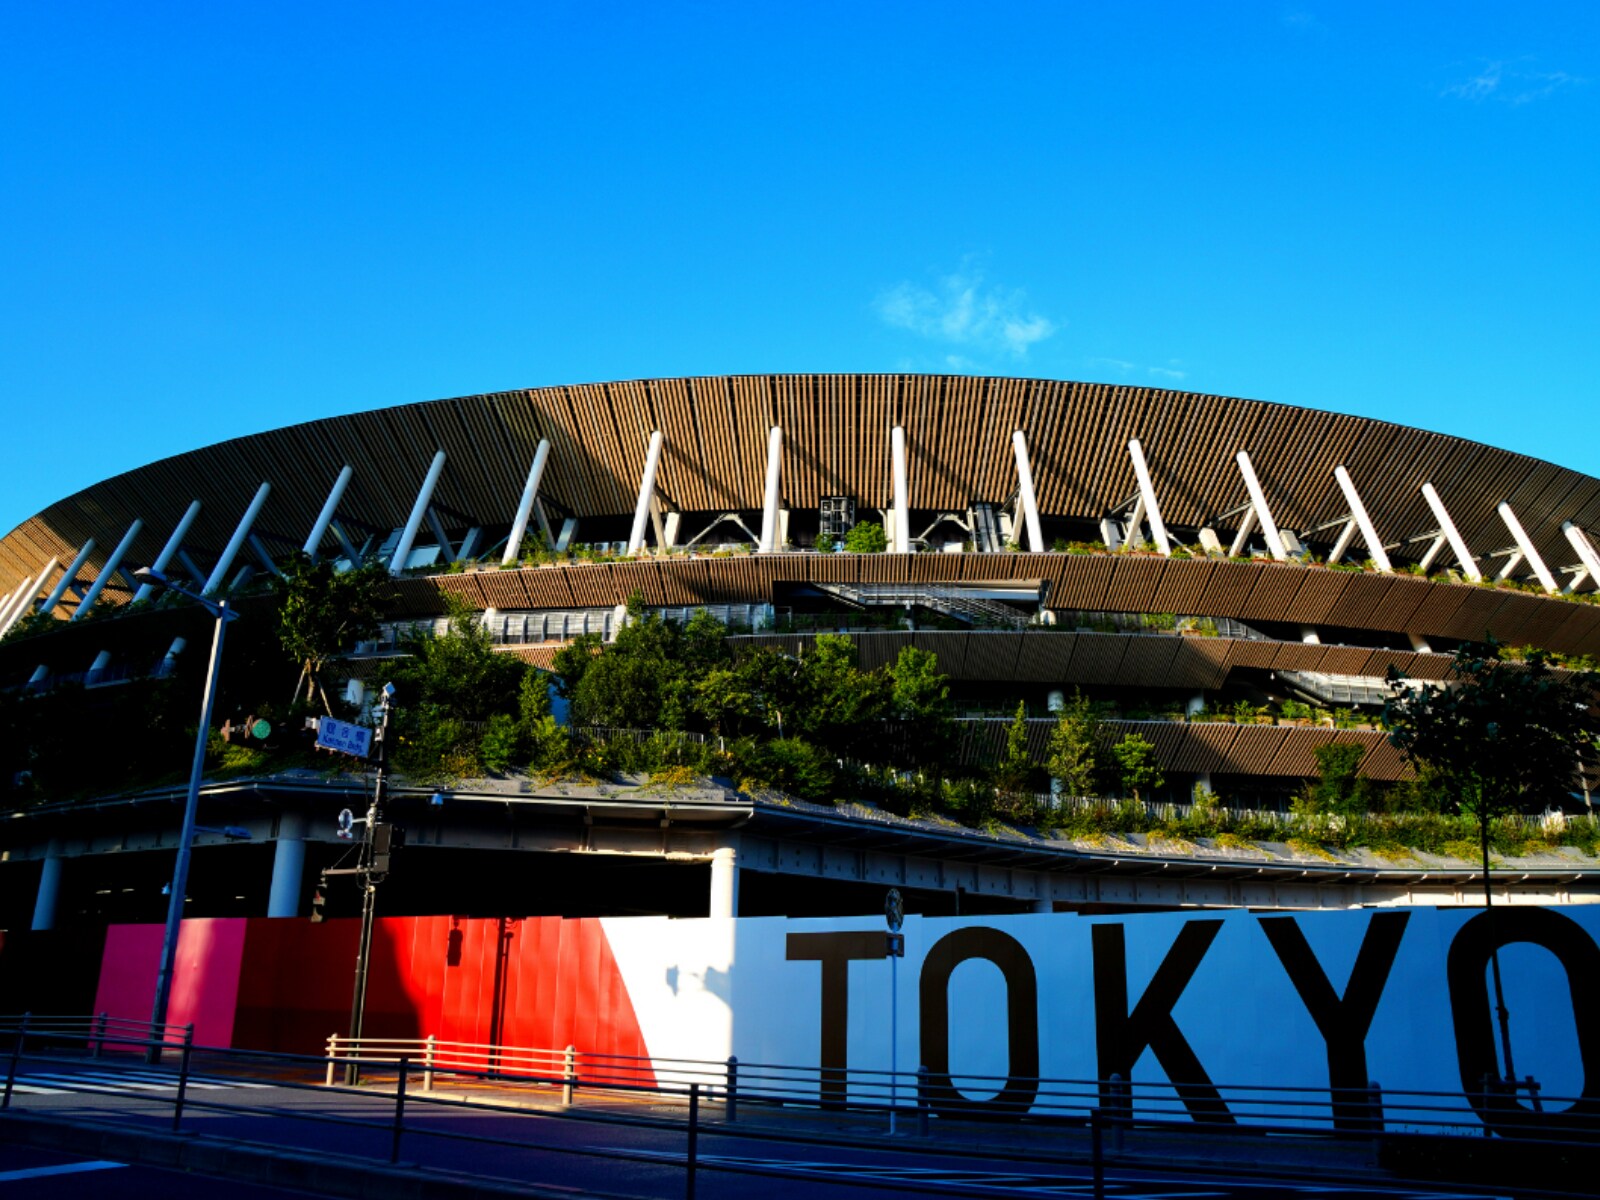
x=962, y=311
x=1122, y=366
x=1511, y=84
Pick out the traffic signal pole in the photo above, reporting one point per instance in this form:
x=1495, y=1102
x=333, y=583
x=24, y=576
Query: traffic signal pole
x=369, y=896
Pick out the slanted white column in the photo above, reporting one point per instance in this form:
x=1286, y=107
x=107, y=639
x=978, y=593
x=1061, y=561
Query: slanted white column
x=1586, y=552
x=1369, y=532
x=1448, y=528
x=1147, y=492
x=330, y=507
x=1419, y=643
x=219, y=573
x=48, y=897
x=1525, y=544
x=530, y=493
x=408, y=535
x=288, y=865
x=40, y=674
x=1247, y=526
x=108, y=571
x=67, y=577
x=1346, y=536
x=902, y=518
x=769, y=500
x=725, y=882
x=647, y=491
x=16, y=602
x=1030, y=501
x=25, y=602
x=1435, y=548
x=174, y=544
x=1258, y=500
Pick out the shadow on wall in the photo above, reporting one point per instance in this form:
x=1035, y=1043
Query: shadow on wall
x=286, y=985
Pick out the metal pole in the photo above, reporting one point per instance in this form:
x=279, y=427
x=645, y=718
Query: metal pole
x=180, y=869
x=399, y=1108
x=1096, y=1138
x=730, y=1111
x=183, y=1076
x=694, y=1140
x=369, y=900
x=1501, y=1012
x=894, y=1040
x=16, y=1056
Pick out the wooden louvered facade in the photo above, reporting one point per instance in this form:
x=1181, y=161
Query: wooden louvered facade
x=836, y=442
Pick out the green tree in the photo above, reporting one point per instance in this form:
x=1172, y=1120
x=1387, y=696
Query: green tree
x=866, y=537
x=835, y=699
x=322, y=612
x=918, y=691
x=1503, y=737
x=1340, y=790
x=1074, y=757
x=1012, y=772
x=1137, y=765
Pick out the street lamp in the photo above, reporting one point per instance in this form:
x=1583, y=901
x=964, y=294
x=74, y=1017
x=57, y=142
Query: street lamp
x=180, y=869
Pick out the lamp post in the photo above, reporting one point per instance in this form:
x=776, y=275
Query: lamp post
x=180, y=868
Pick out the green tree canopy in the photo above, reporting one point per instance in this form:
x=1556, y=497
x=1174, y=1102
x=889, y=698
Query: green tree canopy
x=1075, y=759
x=866, y=537
x=323, y=612
x=1137, y=764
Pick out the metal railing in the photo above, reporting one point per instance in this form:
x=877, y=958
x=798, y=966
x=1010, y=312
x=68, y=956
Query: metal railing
x=1060, y=1112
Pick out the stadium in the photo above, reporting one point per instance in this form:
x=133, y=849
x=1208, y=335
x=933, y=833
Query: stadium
x=1230, y=579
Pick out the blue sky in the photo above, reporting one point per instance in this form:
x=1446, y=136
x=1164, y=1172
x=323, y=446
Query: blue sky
x=221, y=218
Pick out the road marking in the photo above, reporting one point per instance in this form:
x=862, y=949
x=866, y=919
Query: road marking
x=64, y=1169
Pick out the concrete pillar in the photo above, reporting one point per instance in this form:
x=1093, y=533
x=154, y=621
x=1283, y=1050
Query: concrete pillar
x=108, y=571
x=769, y=500
x=647, y=491
x=49, y=896
x=1358, y=513
x=1043, y=904
x=901, y=542
x=174, y=546
x=725, y=881
x=219, y=573
x=330, y=509
x=530, y=493
x=1420, y=643
x=1147, y=493
x=1308, y=635
x=67, y=578
x=1025, y=492
x=1258, y=501
x=1055, y=700
x=419, y=509
x=1448, y=530
x=40, y=674
x=1525, y=544
x=1201, y=780
x=1197, y=703
x=288, y=864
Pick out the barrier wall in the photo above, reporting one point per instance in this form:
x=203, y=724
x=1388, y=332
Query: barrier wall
x=1204, y=999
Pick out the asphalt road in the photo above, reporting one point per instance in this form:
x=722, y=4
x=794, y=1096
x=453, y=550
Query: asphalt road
x=622, y=1159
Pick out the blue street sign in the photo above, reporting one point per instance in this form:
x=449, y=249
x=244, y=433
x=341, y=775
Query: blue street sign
x=344, y=737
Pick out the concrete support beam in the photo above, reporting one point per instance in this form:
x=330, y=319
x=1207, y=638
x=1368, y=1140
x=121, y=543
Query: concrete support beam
x=173, y=546
x=288, y=866
x=1448, y=530
x=1241, y=540
x=1346, y=536
x=1419, y=643
x=330, y=508
x=725, y=882
x=1147, y=493
x=647, y=493
x=1258, y=501
x=901, y=543
x=419, y=509
x=48, y=899
x=1529, y=551
x=108, y=572
x=219, y=573
x=1435, y=548
x=67, y=576
x=1026, y=498
x=530, y=494
x=1584, y=548
x=1358, y=512
x=436, y=526
x=23, y=601
x=769, y=540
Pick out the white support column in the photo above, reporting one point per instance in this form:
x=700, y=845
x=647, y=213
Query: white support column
x=108, y=571
x=330, y=507
x=725, y=882
x=1448, y=528
x=219, y=573
x=530, y=493
x=1029, y=500
x=1358, y=511
x=1419, y=643
x=1586, y=552
x=1258, y=500
x=1346, y=536
x=647, y=491
x=288, y=865
x=1134, y=527
x=769, y=499
x=15, y=602
x=24, y=602
x=1513, y=561
x=1525, y=544
x=1435, y=548
x=49, y=895
x=408, y=536
x=1247, y=526
x=70, y=574
x=902, y=517
x=1147, y=491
